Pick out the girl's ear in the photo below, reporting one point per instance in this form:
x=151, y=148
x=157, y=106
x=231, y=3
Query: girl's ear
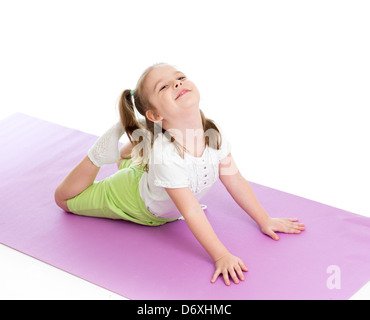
x=153, y=116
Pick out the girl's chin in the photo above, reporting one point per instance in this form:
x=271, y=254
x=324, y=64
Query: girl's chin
x=190, y=107
x=188, y=103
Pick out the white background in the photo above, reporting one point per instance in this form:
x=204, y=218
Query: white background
x=288, y=81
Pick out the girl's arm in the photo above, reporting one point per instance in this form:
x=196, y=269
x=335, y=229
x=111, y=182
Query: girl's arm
x=199, y=225
x=242, y=193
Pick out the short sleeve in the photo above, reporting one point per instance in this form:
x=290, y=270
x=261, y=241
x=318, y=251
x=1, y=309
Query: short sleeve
x=169, y=175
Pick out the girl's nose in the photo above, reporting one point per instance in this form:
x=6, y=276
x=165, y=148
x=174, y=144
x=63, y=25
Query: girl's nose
x=178, y=83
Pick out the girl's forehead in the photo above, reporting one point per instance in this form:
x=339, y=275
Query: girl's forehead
x=159, y=72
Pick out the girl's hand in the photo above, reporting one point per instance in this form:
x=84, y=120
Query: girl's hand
x=229, y=264
x=286, y=225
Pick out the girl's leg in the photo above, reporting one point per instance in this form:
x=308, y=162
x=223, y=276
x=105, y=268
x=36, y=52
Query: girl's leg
x=80, y=178
x=104, y=151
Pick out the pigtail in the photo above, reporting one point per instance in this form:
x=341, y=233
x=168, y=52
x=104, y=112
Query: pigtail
x=212, y=135
x=127, y=114
x=135, y=129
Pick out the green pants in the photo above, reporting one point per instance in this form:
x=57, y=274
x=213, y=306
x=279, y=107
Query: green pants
x=116, y=197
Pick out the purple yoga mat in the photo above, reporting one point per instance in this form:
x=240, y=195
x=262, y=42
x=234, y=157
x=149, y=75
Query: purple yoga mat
x=329, y=260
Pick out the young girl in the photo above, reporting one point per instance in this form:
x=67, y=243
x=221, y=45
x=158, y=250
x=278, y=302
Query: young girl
x=174, y=156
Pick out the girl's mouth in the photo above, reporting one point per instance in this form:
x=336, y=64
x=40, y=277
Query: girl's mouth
x=182, y=92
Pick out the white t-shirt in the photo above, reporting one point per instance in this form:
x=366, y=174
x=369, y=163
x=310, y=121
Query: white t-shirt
x=167, y=169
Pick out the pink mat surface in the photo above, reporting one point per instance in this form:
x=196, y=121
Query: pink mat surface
x=167, y=262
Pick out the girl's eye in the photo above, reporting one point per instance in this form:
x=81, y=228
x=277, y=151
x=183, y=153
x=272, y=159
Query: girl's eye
x=165, y=86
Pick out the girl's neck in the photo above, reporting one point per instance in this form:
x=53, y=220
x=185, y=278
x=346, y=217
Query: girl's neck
x=189, y=133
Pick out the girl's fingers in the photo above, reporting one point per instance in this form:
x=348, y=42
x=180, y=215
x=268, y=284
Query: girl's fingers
x=239, y=272
x=292, y=220
x=233, y=276
x=292, y=223
x=215, y=275
x=285, y=225
x=296, y=228
x=226, y=277
x=242, y=265
x=290, y=229
x=233, y=271
x=288, y=225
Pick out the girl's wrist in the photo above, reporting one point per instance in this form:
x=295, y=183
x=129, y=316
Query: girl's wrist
x=263, y=221
x=220, y=256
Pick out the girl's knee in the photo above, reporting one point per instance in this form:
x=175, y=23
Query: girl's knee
x=61, y=203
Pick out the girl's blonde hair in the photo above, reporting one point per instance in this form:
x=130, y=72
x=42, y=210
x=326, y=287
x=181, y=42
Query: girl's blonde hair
x=143, y=132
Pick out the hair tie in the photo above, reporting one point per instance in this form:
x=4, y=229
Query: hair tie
x=132, y=92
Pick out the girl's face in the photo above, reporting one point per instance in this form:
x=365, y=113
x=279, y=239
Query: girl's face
x=170, y=93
